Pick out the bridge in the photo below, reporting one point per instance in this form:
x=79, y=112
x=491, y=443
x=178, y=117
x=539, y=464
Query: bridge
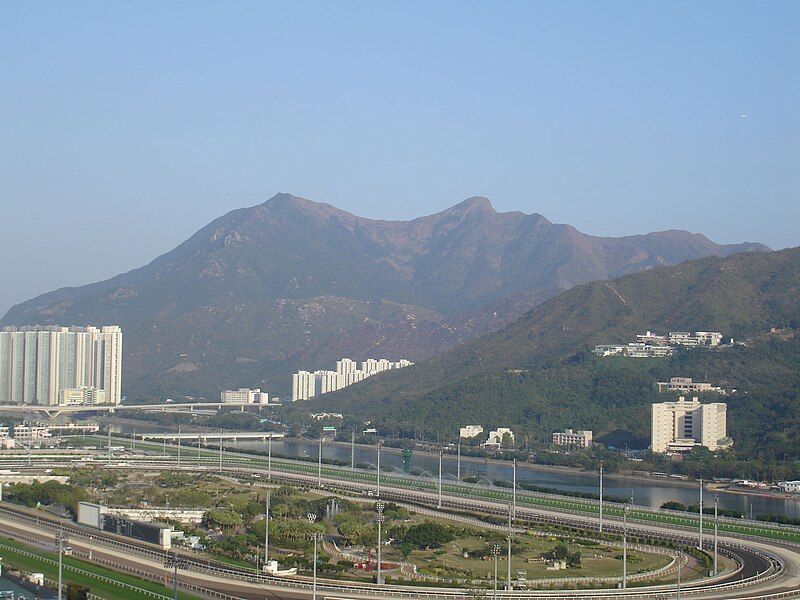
x=52, y=411
x=204, y=437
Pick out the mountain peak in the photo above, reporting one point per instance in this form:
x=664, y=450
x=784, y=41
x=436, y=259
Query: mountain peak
x=475, y=203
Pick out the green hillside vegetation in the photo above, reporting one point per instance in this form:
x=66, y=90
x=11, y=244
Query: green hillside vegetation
x=539, y=374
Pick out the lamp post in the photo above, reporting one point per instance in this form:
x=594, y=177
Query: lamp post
x=458, y=463
x=179, y=446
x=378, y=470
x=316, y=536
x=678, y=586
x=319, y=465
x=716, y=526
x=269, y=457
x=509, y=536
x=220, y=450
x=266, y=530
x=173, y=561
x=353, y=449
x=379, y=518
x=601, y=498
x=701, y=513
x=60, y=539
x=625, y=548
x=495, y=553
x=514, y=490
x=439, y=503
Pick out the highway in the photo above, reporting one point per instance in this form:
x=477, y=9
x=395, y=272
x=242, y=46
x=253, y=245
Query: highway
x=769, y=569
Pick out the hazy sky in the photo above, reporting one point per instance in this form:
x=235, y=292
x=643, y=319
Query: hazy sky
x=126, y=126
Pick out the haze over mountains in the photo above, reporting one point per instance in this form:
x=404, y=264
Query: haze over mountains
x=294, y=283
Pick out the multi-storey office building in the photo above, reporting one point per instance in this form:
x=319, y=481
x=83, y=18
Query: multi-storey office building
x=37, y=364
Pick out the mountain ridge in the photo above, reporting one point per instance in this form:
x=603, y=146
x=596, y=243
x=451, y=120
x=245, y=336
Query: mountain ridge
x=304, y=274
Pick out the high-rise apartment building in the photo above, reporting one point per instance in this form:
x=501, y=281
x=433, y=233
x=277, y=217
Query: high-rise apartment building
x=303, y=385
x=37, y=364
x=679, y=426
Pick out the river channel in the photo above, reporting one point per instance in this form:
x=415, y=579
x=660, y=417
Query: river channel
x=644, y=491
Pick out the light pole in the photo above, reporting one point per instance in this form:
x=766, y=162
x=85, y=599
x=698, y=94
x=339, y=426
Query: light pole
x=458, y=463
x=625, y=548
x=509, y=535
x=514, y=490
x=439, y=503
x=601, y=498
x=60, y=539
x=353, y=450
x=266, y=530
x=701, y=513
x=179, y=446
x=319, y=465
x=316, y=536
x=220, y=450
x=379, y=507
x=716, y=525
x=269, y=457
x=379, y=468
x=678, y=561
x=173, y=561
x=495, y=554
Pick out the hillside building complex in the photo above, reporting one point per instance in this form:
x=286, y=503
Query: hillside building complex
x=678, y=427
x=685, y=384
x=53, y=365
x=652, y=345
x=568, y=437
x=244, y=396
x=635, y=350
x=306, y=384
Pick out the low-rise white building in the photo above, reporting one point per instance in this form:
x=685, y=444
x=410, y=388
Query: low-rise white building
x=470, y=431
x=790, y=486
x=580, y=438
x=685, y=384
x=497, y=436
x=82, y=396
x=244, y=396
x=634, y=350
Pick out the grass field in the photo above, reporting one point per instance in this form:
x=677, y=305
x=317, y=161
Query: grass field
x=96, y=578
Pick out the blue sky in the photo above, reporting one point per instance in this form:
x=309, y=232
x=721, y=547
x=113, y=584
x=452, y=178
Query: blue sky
x=127, y=126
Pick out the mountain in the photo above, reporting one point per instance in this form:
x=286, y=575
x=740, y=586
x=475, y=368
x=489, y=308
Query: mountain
x=294, y=283
x=539, y=374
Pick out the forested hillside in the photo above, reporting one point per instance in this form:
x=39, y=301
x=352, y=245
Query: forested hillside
x=539, y=374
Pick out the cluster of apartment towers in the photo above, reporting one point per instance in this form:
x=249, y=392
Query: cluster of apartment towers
x=51, y=365
x=307, y=384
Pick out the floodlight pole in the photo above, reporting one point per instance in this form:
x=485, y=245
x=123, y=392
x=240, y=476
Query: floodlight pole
x=266, y=530
x=716, y=526
x=601, y=498
x=625, y=548
x=701, y=513
x=378, y=470
x=439, y=503
x=379, y=507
